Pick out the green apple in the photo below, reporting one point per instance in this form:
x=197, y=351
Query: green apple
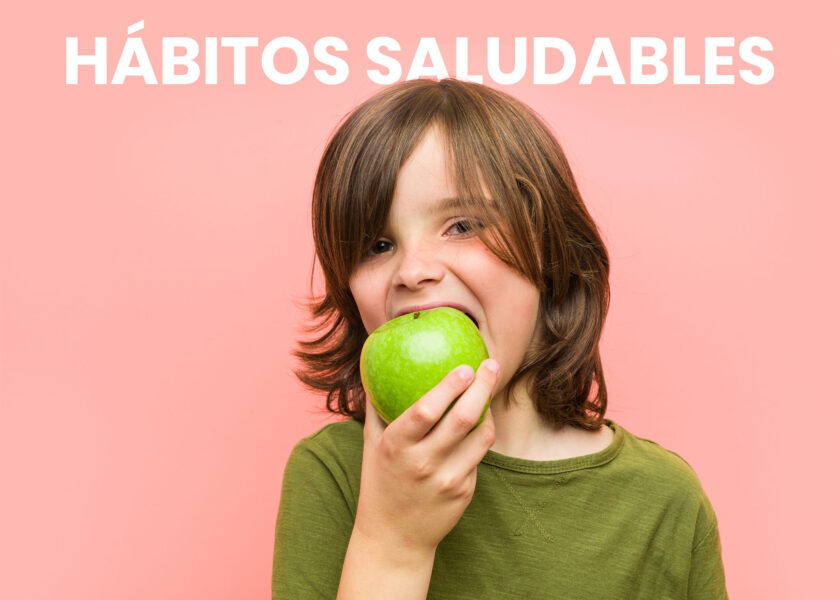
x=409, y=355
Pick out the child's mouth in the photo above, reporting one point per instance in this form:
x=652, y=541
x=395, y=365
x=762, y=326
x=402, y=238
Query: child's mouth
x=460, y=308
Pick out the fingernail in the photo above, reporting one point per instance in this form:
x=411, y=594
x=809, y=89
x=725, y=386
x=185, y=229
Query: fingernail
x=465, y=372
x=492, y=365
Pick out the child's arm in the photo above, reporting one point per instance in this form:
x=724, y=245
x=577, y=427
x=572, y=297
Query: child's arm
x=416, y=483
x=707, y=579
x=373, y=569
x=315, y=516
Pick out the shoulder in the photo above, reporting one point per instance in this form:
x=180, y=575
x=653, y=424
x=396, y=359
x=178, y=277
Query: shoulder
x=643, y=454
x=336, y=445
x=340, y=433
x=660, y=471
x=326, y=465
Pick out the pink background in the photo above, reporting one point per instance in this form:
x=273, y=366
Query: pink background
x=154, y=241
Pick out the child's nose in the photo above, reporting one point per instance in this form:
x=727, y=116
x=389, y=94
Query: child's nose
x=418, y=268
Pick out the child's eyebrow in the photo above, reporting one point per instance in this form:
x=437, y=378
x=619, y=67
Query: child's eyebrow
x=447, y=204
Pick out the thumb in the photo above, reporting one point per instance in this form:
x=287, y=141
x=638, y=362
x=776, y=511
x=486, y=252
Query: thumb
x=374, y=425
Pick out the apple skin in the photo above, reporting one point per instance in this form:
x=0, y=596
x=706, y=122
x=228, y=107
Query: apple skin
x=407, y=356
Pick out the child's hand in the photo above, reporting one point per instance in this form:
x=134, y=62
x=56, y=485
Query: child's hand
x=416, y=484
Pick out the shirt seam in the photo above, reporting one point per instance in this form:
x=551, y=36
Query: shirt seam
x=704, y=538
x=587, y=462
x=316, y=449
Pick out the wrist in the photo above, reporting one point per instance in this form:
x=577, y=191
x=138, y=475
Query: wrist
x=398, y=552
x=377, y=569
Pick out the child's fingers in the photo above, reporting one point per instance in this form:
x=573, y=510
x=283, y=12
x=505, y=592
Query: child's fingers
x=462, y=418
x=469, y=453
x=421, y=417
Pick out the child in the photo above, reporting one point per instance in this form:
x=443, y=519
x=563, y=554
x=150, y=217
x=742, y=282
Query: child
x=452, y=193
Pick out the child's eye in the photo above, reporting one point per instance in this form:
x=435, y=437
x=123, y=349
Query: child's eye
x=379, y=246
x=465, y=226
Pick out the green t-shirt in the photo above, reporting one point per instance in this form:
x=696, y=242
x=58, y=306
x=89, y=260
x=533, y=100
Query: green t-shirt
x=630, y=521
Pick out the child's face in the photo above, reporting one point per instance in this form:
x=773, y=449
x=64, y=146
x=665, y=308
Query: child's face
x=425, y=258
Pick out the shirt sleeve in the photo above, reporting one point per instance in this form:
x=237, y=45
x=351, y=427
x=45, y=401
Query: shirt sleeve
x=314, y=523
x=706, y=577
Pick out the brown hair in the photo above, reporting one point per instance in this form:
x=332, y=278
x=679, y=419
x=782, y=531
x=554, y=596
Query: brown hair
x=510, y=169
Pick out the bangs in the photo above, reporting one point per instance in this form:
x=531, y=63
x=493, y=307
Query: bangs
x=487, y=189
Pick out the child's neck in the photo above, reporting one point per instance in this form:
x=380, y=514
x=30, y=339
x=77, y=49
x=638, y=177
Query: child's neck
x=521, y=433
